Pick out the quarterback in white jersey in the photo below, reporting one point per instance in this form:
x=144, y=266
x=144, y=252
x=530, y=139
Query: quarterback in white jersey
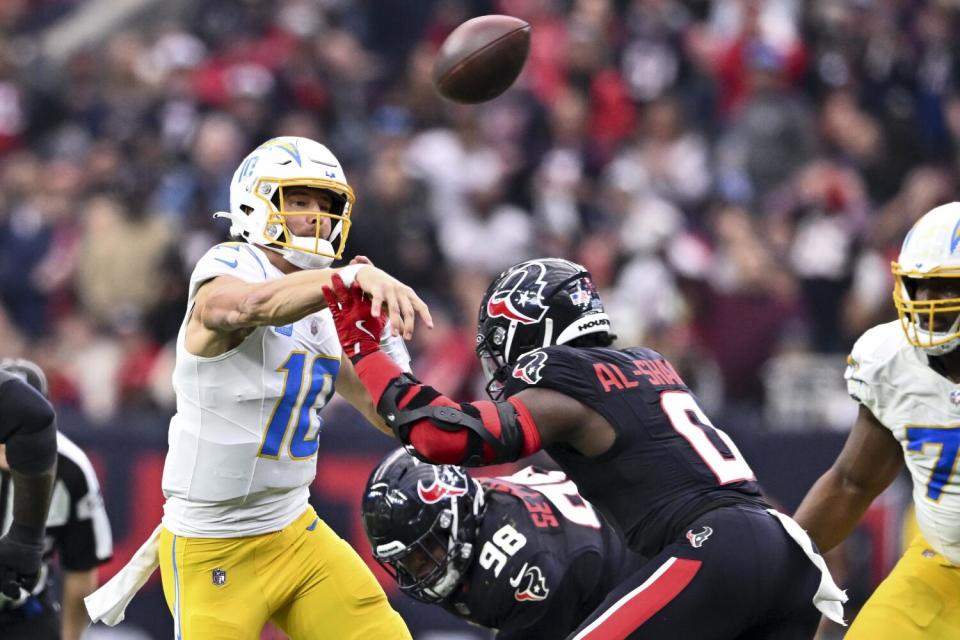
x=243, y=443
x=257, y=359
x=906, y=377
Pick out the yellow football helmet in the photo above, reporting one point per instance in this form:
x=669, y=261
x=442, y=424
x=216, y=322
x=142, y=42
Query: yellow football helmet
x=931, y=249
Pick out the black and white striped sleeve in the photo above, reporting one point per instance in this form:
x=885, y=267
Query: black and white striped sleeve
x=78, y=519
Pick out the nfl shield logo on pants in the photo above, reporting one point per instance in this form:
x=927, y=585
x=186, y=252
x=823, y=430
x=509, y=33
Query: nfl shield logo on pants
x=219, y=577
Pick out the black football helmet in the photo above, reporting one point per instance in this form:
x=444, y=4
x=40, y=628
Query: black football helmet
x=421, y=521
x=533, y=305
x=28, y=371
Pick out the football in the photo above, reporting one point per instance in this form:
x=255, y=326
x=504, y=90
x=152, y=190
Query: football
x=481, y=58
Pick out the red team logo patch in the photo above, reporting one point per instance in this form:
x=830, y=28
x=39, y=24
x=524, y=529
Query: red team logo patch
x=531, y=585
x=530, y=367
x=520, y=297
x=698, y=538
x=441, y=488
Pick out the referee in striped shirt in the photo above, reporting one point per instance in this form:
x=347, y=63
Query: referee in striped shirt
x=77, y=531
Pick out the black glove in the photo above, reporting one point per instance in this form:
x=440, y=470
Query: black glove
x=21, y=555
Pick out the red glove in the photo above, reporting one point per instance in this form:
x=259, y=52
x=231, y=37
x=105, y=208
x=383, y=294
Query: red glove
x=358, y=329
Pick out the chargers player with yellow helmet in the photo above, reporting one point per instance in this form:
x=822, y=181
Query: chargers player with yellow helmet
x=906, y=376
x=257, y=359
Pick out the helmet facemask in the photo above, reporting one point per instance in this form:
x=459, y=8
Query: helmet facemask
x=306, y=252
x=492, y=350
x=927, y=324
x=430, y=568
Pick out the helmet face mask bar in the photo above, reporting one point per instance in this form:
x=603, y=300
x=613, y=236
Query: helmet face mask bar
x=926, y=323
x=930, y=258
x=495, y=370
x=421, y=569
x=276, y=230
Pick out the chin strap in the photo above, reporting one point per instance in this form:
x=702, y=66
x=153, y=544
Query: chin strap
x=299, y=259
x=921, y=336
x=305, y=260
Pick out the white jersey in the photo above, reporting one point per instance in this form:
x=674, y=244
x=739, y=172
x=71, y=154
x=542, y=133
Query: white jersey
x=893, y=379
x=243, y=443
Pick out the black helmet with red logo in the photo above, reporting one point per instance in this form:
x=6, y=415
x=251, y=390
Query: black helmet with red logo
x=533, y=305
x=421, y=521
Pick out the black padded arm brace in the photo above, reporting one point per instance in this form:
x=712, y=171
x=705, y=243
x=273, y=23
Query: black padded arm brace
x=427, y=404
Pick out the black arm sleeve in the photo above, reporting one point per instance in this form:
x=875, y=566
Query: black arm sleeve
x=27, y=427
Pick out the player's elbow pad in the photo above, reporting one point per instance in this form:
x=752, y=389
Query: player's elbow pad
x=444, y=432
x=31, y=437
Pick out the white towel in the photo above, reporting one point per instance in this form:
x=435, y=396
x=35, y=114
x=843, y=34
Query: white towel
x=109, y=602
x=829, y=598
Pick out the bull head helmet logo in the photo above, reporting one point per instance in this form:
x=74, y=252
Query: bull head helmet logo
x=447, y=483
x=520, y=296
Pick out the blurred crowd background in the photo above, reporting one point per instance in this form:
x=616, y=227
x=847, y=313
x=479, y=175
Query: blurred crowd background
x=736, y=174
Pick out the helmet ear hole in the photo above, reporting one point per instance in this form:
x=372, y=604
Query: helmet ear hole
x=247, y=209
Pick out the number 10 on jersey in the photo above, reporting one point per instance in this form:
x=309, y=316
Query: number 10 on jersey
x=304, y=389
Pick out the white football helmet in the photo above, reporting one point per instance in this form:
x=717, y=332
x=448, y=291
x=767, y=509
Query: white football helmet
x=256, y=200
x=930, y=250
